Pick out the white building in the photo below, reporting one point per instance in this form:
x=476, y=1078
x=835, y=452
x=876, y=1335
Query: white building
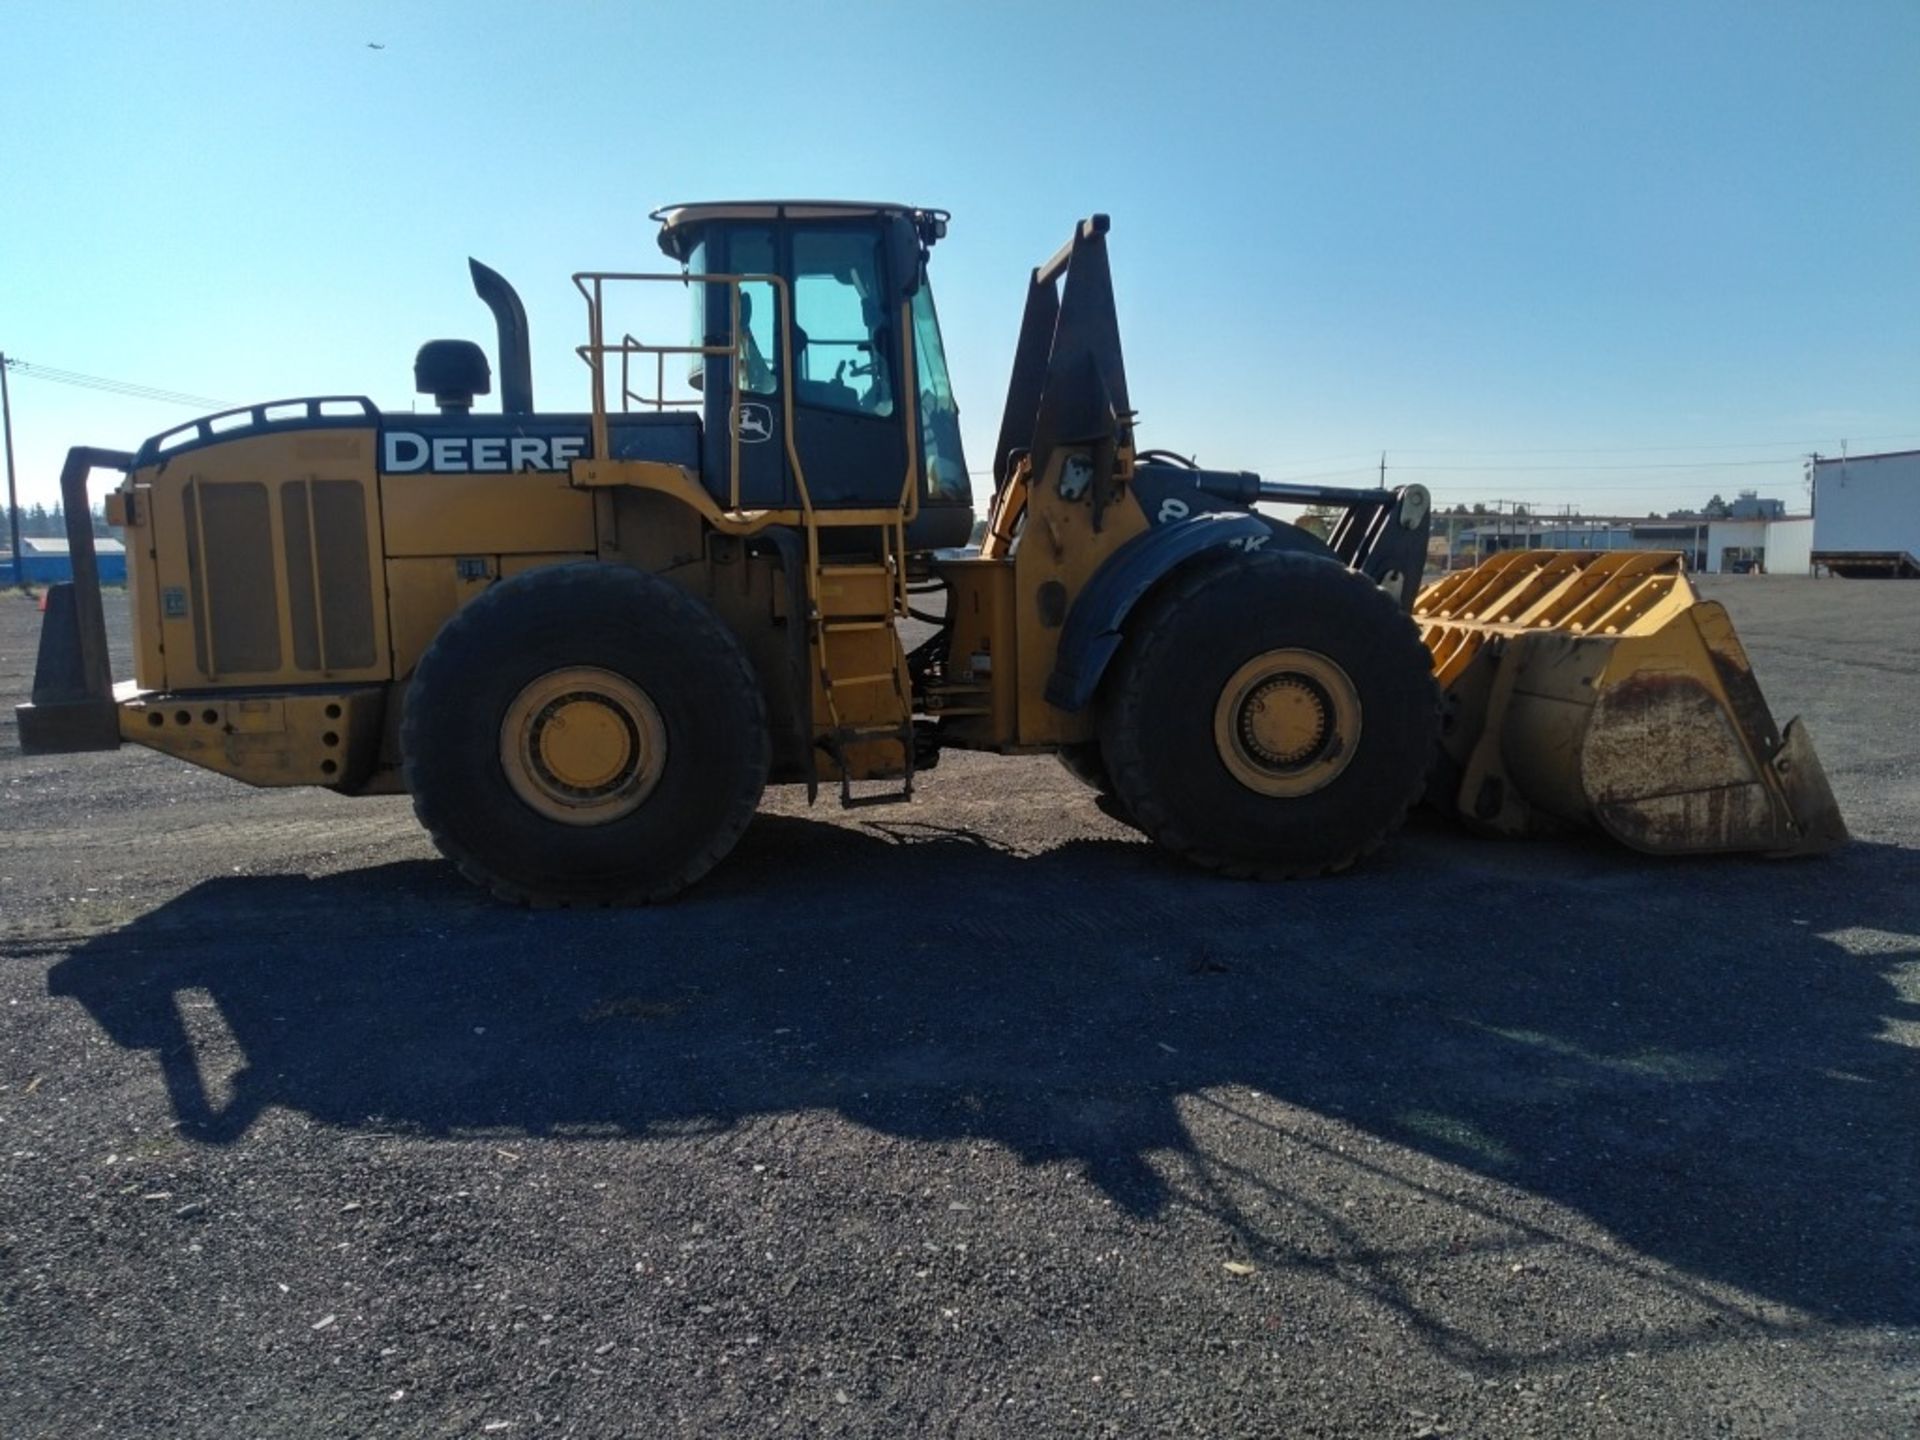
x=1781, y=546
x=1866, y=514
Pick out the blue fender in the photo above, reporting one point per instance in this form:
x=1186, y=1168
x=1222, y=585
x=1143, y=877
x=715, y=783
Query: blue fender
x=1092, y=632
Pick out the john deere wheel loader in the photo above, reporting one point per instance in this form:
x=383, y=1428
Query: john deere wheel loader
x=585, y=642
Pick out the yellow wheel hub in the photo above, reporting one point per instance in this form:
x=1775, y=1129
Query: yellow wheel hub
x=583, y=745
x=1287, y=722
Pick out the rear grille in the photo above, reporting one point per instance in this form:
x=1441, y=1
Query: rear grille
x=338, y=633
x=237, y=627
x=313, y=552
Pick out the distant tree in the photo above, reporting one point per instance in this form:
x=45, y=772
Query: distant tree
x=1716, y=508
x=39, y=523
x=1521, y=512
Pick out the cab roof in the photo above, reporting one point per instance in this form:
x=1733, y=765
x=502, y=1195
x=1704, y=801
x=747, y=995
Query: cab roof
x=930, y=223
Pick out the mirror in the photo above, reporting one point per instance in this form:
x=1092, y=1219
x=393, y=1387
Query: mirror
x=903, y=254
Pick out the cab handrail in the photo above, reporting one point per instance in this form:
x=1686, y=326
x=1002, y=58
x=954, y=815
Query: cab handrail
x=592, y=285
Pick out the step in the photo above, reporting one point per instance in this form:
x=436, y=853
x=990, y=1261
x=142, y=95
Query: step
x=850, y=801
x=843, y=682
x=850, y=736
x=855, y=591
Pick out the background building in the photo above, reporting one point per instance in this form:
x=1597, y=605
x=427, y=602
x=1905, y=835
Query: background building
x=46, y=561
x=1755, y=536
x=1866, y=514
x=1781, y=545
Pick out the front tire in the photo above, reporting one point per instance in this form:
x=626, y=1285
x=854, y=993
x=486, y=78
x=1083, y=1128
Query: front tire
x=585, y=735
x=1272, y=716
x=1082, y=760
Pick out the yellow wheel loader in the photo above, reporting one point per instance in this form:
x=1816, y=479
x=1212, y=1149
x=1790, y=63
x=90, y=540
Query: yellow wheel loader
x=584, y=642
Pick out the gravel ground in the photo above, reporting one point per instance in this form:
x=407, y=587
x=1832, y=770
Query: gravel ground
x=975, y=1117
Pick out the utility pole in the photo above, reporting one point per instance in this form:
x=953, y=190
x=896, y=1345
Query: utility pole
x=13, y=498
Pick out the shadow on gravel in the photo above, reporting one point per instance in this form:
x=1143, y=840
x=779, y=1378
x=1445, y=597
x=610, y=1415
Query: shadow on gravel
x=1701, y=1058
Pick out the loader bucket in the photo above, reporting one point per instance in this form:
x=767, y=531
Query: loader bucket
x=1596, y=688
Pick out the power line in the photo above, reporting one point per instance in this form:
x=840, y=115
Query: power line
x=1583, y=469
x=1587, y=469
x=1797, y=445
x=1562, y=486
x=125, y=388
x=1797, y=455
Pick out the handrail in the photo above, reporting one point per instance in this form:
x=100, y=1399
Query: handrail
x=202, y=428
x=630, y=346
x=592, y=286
x=910, y=388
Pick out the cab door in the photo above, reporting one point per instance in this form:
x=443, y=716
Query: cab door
x=843, y=351
x=849, y=412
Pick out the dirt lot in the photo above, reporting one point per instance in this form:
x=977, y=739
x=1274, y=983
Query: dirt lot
x=970, y=1118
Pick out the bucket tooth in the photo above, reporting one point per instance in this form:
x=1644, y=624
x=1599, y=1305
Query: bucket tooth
x=1599, y=690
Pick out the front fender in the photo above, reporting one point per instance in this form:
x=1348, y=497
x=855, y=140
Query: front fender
x=1092, y=632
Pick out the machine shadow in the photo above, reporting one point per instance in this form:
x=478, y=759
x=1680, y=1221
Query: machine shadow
x=1697, y=1058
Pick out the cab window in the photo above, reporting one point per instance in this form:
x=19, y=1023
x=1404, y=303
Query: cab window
x=840, y=322
x=752, y=254
x=941, y=458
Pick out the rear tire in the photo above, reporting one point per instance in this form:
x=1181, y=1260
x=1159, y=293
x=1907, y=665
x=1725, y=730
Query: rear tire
x=1271, y=716
x=585, y=735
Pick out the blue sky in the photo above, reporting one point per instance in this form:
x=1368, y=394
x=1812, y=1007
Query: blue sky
x=1615, y=256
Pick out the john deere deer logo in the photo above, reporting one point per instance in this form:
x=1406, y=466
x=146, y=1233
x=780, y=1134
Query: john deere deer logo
x=753, y=423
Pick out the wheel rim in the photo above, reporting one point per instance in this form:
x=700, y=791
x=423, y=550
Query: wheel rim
x=582, y=745
x=1287, y=722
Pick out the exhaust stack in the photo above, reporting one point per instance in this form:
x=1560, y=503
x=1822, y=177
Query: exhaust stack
x=510, y=318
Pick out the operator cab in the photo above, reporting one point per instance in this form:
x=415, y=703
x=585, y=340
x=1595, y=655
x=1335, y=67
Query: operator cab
x=856, y=283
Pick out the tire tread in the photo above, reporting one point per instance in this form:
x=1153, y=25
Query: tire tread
x=1123, y=732
x=578, y=586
